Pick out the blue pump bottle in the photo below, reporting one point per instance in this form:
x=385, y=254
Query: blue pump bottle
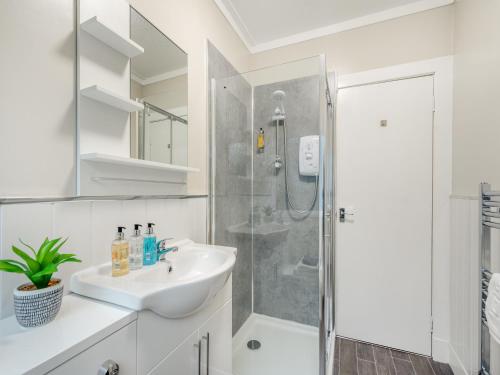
x=150, y=246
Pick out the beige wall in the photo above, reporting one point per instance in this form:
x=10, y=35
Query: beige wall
x=169, y=93
x=476, y=133
x=37, y=129
x=416, y=37
x=135, y=90
x=189, y=23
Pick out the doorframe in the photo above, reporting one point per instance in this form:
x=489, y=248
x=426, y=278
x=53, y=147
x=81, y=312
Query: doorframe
x=442, y=71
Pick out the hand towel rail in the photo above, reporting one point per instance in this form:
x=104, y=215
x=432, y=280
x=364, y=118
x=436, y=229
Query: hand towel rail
x=491, y=214
x=491, y=193
x=491, y=224
x=486, y=203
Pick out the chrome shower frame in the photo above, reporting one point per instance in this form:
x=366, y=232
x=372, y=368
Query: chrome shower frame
x=327, y=226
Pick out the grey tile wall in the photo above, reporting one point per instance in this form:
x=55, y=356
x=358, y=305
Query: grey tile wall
x=286, y=265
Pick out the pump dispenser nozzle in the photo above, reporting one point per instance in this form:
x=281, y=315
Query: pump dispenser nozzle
x=137, y=230
x=120, y=235
x=150, y=228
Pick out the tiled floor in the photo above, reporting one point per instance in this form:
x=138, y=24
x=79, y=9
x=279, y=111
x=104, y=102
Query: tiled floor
x=357, y=358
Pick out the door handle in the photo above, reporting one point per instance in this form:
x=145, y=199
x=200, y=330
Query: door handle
x=343, y=213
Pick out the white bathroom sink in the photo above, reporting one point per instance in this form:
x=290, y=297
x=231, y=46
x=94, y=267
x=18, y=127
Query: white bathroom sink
x=198, y=273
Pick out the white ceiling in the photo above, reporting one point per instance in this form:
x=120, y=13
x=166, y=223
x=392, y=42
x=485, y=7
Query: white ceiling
x=161, y=59
x=266, y=24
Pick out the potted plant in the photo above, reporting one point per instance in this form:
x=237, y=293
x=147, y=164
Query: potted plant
x=37, y=303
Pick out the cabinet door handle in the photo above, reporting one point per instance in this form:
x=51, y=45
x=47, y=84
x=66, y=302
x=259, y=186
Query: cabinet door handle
x=199, y=356
x=109, y=367
x=207, y=338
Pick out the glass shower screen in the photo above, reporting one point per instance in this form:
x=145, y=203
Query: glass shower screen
x=271, y=198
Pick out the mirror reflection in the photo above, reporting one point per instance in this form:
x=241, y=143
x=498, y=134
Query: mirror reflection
x=159, y=79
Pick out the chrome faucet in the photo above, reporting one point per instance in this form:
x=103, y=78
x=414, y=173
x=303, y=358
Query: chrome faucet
x=162, y=249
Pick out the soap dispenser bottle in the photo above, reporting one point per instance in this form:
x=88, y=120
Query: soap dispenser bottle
x=149, y=246
x=119, y=254
x=136, y=243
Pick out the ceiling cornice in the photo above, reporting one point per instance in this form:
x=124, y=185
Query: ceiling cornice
x=236, y=21
x=159, y=77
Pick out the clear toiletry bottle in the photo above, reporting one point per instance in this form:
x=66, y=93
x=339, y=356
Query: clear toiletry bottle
x=136, y=242
x=119, y=254
x=149, y=246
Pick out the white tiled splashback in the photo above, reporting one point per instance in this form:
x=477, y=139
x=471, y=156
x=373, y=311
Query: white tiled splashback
x=90, y=227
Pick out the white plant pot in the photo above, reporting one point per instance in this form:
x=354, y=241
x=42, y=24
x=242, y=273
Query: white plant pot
x=37, y=307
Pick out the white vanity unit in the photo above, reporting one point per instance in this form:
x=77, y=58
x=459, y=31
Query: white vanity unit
x=88, y=333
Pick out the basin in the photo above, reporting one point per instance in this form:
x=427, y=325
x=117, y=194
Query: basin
x=181, y=285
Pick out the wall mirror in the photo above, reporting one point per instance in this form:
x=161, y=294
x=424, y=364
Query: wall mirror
x=159, y=80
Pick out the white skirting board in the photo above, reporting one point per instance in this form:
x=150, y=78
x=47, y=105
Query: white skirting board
x=440, y=350
x=456, y=364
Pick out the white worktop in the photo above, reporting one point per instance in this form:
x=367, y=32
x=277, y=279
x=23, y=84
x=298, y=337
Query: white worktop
x=81, y=323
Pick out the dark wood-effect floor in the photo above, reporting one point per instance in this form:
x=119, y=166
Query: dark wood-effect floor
x=357, y=358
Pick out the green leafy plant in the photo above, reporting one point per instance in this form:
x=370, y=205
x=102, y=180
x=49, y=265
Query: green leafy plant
x=42, y=265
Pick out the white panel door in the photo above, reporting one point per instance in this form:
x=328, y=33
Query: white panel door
x=384, y=181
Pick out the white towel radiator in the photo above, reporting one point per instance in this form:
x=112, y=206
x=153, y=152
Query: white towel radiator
x=489, y=213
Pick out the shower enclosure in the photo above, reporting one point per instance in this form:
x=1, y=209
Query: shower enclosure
x=271, y=196
x=162, y=136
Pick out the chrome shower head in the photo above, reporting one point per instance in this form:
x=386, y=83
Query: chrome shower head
x=279, y=95
x=279, y=112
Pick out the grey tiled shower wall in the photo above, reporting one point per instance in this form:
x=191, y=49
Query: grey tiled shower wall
x=277, y=249
x=286, y=283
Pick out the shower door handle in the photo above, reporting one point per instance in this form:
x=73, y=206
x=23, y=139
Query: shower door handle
x=328, y=220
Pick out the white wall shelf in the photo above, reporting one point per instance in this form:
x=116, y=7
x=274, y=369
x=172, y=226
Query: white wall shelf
x=108, y=97
x=100, y=31
x=129, y=162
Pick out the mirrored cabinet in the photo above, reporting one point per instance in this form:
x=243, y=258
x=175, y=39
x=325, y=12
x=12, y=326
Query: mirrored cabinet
x=94, y=102
x=133, y=113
